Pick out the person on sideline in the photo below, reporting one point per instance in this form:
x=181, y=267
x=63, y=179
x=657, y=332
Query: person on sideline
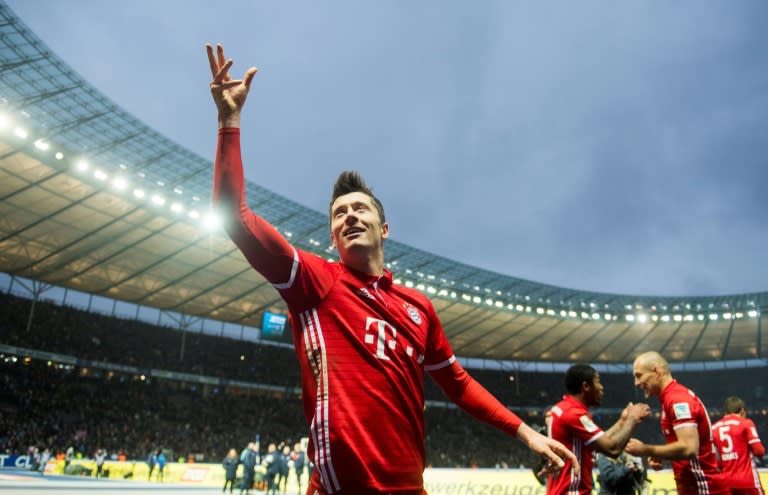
x=363, y=342
x=229, y=464
x=572, y=425
x=686, y=428
x=737, y=442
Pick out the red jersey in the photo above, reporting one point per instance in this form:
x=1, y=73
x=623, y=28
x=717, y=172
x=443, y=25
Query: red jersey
x=737, y=441
x=699, y=474
x=363, y=344
x=571, y=424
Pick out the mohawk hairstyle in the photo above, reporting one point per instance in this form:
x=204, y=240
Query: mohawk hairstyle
x=351, y=181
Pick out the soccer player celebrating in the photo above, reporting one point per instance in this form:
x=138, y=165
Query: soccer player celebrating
x=736, y=439
x=363, y=343
x=686, y=428
x=571, y=424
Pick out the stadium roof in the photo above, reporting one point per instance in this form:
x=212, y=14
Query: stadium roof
x=95, y=200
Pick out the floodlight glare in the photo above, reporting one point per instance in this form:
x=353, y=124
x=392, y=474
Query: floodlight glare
x=139, y=193
x=100, y=174
x=59, y=155
x=211, y=221
x=82, y=165
x=177, y=208
x=713, y=316
x=158, y=200
x=752, y=313
x=20, y=132
x=5, y=122
x=119, y=183
x=194, y=214
x=642, y=318
x=42, y=145
x=630, y=317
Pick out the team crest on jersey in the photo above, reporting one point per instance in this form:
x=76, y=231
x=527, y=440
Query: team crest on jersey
x=682, y=410
x=364, y=292
x=586, y=421
x=413, y=313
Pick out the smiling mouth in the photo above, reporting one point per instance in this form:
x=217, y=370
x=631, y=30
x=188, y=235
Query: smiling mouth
x=353, y=232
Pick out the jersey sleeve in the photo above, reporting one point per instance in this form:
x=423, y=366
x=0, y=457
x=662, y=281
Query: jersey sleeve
x=753, y=440
x=682, y=411
x=300, y=277
x=438, y=353
x=581, y=425
x=262, y=245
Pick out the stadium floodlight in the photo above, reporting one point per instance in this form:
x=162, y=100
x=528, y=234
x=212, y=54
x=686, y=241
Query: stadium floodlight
x=738, y=315
x=477, y=300
x=700, y=317
x=20, y=132
x=59, y=155
x=194, y=214
x=158, y=200
x=595, y=316
x=630, y=317
x=572, y=314
x=161, y=183
x=431, y=290
x=41, y=145
x=727, y=316
x=563, y=313
x=139, y=193
x=713, y=316
x=409, y=284
x=454, y=295
x=5, y=121
x=551, y=312
x=82, y=165
x=642, y=318
x=397, y=281
x=119, y=183
x=540, y=311
x=211, y=221
x=177, y=208
x=123, y=166
x=178, y=190
x=752, y=314
x=100, y=175
x=519, y=307
x=195, y=198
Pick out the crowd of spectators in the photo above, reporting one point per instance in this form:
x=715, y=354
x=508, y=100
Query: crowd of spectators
x=49, y=405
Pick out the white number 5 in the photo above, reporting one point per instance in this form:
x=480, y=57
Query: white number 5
x=726, y=439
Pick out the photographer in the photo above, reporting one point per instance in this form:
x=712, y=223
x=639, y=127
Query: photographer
x=624, y=475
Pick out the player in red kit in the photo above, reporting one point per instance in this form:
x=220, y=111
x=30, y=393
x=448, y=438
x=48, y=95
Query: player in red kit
x=737, y=442
x=686, y=428
x=363, y=342
x=571, y=424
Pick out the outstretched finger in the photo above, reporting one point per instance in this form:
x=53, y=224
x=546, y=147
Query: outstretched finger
x=221, y=75
x=222, y=60
x=249, y=76
x=211, y=60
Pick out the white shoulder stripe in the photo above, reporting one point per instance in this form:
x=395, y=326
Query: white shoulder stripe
x=595, y=437
x=433, y=367
x=294, y=269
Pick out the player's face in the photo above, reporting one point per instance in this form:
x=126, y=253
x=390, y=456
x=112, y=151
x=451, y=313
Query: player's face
x=356, y=225
x=596, y=391
x=646, y=379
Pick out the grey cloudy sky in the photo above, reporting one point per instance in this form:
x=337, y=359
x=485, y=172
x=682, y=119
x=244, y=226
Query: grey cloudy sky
x=606, y=146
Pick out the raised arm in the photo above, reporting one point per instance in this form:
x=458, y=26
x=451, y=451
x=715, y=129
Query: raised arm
x=617, y=436
x=263, y=246
x=468, y=394
x=686, y=445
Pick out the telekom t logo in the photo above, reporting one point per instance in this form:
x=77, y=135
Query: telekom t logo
x=380, y=336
